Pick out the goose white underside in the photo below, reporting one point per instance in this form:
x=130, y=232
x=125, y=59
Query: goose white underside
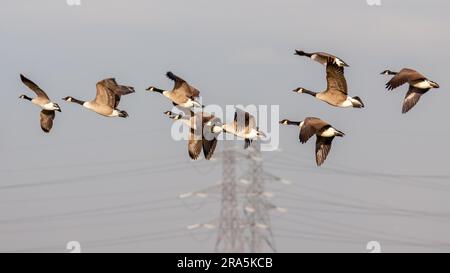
x=423, y=85
x=339, y=62
x=330, y=132
x=349, y=102
x=253, y=135
x=165, y=93
x=315, y=57
x=216, y=129
x=88, y=105
x=114, y=113
x=191, y=103
x=48, y=106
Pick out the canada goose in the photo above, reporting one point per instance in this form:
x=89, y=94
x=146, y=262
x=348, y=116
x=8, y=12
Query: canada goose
x=182, y=94
x=43, y=101
x=201, y=135
x=243, y=126
x=336, y=92
x=418, y=85
x=323, y=58
x=107, y=99
x=324, y=132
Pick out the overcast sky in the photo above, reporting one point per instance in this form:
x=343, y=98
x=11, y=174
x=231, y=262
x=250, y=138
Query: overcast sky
x=112, y=184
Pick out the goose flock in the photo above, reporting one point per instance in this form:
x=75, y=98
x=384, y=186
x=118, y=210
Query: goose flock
x=205, y=128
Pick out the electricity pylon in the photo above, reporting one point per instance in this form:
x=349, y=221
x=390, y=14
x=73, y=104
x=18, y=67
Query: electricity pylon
x=257, y=206
x=230, y=231
x=244, y=224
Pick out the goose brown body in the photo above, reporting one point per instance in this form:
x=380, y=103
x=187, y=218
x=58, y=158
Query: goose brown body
x=324, y=132
x=107, y=98
x=418, y=86
x=42, y=100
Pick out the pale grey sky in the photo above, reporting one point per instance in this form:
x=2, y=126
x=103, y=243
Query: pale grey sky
x=112, y=183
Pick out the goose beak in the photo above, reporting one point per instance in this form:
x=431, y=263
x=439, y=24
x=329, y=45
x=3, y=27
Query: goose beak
x=59, y=110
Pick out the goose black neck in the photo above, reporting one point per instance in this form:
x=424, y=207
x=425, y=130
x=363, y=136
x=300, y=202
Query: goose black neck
x=303, y=53
x=296, y=123
x=26, y=98
x=80, y=102
x=158, y=90
x=310, y=92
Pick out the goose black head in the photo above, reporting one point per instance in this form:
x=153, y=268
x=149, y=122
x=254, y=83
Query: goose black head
x=154, y=89
x=388, y=72
x=25, y=97
x=57, y=108
x=289, y=122
x=357, y=102
x=123, y=114
x=68, y=99
x=301, y=53
x=299, y=90
x=285, y=122
x=434, y=84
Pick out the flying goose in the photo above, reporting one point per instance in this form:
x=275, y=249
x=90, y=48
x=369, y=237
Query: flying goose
x=324, y=132
x=107, y=99
x=418, y=85
x=323, y=58
x=182, y=94
x=243, y=126
x=201, y=135
x=336, y=92
x=43, y=101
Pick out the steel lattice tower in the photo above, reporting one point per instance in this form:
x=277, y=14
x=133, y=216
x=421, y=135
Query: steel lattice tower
x=256, y=206
x=244, y=223
x=230, y=231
